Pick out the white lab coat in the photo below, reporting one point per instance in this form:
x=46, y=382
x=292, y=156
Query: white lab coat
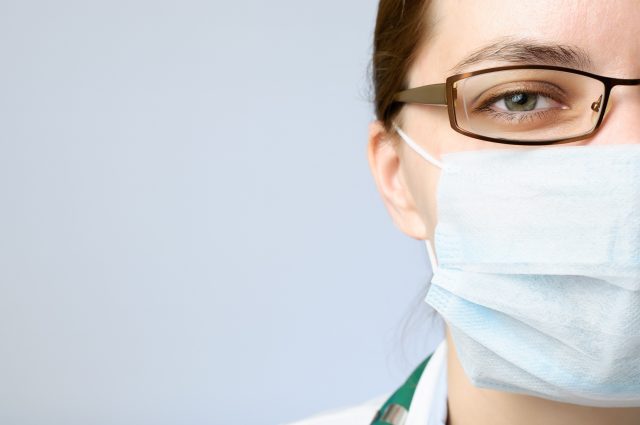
x=428, y=406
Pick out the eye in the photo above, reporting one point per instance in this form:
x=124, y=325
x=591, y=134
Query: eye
x=523, y=102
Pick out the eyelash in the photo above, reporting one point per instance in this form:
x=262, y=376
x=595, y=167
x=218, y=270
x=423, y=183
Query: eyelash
x=518, y=117
x=511, y=116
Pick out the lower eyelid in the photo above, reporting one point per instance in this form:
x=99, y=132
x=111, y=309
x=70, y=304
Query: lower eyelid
x=519, y=117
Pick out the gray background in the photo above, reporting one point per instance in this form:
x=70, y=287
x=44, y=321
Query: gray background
x=189, y=231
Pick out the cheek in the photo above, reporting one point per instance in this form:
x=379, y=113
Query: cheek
x=430, y=127
x=460, y=143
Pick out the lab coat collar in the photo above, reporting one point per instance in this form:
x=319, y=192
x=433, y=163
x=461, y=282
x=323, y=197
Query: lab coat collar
x=422, y=399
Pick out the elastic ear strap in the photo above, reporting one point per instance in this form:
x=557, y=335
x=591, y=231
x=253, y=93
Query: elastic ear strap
x=432, y=256
x=428, y=157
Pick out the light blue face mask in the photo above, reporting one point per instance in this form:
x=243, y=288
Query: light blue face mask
x=538, y=273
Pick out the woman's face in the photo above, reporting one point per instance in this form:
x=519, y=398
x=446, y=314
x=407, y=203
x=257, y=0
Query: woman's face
x=606, y=32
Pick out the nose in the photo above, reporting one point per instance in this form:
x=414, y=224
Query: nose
x=621, y=123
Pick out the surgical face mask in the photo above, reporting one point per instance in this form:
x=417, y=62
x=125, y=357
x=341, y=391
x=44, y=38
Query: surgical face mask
x=538, y=273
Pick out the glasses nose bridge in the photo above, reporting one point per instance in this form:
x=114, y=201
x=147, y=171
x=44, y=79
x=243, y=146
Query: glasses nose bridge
x=622, y=124
x=614, y=86
x=624, y=82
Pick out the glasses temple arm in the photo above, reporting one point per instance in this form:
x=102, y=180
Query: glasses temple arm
x=433, y=94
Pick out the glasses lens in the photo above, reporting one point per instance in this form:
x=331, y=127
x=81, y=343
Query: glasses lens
x=528, y=105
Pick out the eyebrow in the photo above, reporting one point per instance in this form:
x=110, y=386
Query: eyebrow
x=526, y=51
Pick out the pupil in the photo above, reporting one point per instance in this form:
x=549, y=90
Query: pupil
x=519, y=98
x=521, y=102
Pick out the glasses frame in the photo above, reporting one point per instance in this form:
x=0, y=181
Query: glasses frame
x=443, y=94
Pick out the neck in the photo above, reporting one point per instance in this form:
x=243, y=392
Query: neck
x=470, y=405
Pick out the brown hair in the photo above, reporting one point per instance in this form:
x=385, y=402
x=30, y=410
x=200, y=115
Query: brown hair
x=402, y=26
x=400, y=29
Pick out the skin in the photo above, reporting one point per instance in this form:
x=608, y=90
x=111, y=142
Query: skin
x=610, y=34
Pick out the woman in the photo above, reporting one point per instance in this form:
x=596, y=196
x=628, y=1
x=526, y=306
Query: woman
x=522, y=174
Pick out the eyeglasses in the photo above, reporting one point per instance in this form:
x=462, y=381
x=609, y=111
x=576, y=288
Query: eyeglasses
x=521, y=104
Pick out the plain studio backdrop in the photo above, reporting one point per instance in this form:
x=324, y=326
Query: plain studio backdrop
x=189, y=231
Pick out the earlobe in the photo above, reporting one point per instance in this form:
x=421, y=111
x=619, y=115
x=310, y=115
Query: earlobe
x=385, y=165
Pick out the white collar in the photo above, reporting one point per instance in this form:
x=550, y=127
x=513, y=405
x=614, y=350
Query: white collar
x=429, y=402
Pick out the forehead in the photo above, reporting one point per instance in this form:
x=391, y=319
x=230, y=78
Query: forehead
x=607, y=32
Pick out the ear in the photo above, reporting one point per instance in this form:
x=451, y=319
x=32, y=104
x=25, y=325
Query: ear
x=385, y=164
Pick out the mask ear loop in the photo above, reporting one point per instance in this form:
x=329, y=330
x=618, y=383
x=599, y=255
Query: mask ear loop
x=428, y=157
x=432, y=257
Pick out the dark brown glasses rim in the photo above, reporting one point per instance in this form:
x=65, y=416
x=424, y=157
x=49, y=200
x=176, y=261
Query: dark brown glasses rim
x=442, y=93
